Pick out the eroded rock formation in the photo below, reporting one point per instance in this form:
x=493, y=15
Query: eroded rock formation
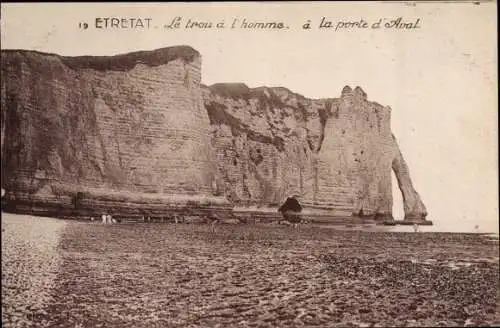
x=334, y=155
x=138, y=133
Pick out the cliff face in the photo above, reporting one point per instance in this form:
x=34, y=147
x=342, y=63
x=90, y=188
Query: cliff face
x=138, y=133
x=132, y=124
x=334, y=155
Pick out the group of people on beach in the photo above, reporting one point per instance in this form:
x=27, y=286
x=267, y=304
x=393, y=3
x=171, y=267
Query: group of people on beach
x=107, y=219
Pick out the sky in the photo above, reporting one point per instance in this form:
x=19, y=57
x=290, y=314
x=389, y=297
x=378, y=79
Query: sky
x=439, y=79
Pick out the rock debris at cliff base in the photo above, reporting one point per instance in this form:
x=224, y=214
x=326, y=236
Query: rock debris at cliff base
x=145, y=275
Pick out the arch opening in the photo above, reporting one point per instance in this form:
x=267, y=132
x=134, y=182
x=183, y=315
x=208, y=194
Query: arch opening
x=397, y=199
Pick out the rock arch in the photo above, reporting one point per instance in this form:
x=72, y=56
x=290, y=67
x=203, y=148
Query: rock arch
x=414, y=208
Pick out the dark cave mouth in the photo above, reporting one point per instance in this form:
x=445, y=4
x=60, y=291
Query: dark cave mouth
x=290, y=205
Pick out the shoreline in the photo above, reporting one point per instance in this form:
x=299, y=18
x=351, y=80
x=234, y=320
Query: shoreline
x=344, y=225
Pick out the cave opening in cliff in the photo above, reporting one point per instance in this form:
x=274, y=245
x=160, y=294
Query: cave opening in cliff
x=290, y=205
x=290, y=209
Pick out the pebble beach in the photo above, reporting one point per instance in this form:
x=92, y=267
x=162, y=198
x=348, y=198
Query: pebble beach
x=30, y=264
x=63, y=273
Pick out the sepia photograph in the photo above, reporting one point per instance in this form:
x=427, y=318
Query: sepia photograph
x=250, y=164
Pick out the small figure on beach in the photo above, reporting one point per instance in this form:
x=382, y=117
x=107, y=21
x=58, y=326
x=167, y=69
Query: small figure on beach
x=213, y=219
x=416, y=227
x=104, y=218
x=476, y=227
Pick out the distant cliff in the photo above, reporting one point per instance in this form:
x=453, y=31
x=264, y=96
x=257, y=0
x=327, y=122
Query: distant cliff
x=137, y=133
x=334, y=155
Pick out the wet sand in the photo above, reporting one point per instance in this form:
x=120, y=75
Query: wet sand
x=168, y=275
